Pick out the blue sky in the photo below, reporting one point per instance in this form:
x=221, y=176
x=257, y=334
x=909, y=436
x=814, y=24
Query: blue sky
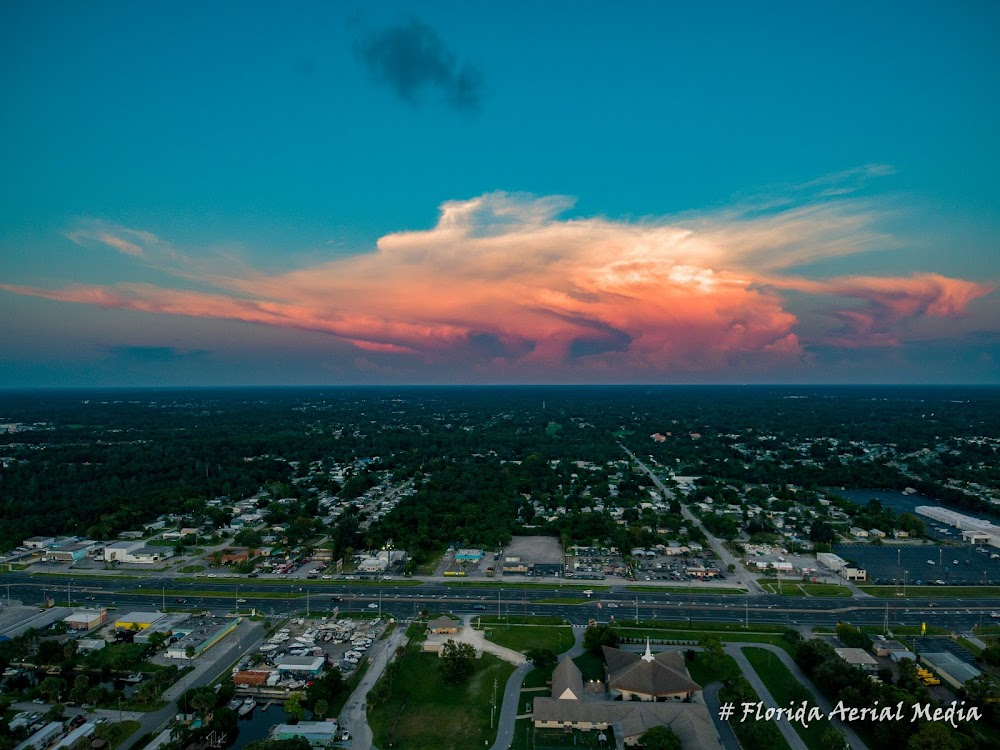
x=245, y=193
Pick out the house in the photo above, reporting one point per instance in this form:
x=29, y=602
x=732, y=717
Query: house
x=567, y=681
x=858, y=533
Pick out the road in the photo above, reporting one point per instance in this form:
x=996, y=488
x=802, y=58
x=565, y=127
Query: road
x=726, y=558
x=354, y=716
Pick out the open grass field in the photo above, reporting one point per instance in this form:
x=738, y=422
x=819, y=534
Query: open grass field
x=425, y=713
x=555, y=638
x=548, y=584
x=678, y=590
x=780, y=682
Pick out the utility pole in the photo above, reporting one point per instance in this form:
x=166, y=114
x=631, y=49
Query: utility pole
x=69, y=597
x=746, y=605
x=636, y=609
x=163, y=595
x=493, y=703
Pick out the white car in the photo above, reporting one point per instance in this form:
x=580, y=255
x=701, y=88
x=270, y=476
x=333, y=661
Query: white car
x=373, y=605
x=612, y=605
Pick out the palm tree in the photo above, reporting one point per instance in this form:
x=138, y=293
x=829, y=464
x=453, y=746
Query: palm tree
x=321, y=708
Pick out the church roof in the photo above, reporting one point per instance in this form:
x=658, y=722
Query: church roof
x=567, y=680
x=663, y=674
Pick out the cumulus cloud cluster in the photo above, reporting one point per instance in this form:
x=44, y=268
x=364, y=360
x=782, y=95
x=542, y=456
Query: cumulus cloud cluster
x=503, y=283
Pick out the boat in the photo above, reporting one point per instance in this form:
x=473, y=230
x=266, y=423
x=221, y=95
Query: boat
x=268, y=648
x=11, y=672
x=247, y=707
x=235, y=703
x=133, y=678
x=265, y=706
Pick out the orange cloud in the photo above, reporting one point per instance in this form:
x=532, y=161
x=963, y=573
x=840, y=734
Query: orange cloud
x=502, y=282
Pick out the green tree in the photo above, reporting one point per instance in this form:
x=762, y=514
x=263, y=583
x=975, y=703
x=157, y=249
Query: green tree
x=660, y=738
x=596, y=636
x=457, y=661
x=542, y=658
x=52, y=688
x=202, y=701
x=833, y=739
x=78, y=693
x=293, y=708
x=936, y=735
x=321, y=708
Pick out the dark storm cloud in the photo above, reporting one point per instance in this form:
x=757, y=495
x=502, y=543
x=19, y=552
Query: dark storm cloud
x=412, y=60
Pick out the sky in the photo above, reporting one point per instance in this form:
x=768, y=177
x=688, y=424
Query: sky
x=317, y=193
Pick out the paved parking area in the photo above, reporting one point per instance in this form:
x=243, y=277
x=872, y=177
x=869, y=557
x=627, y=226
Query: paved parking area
x=924, y=564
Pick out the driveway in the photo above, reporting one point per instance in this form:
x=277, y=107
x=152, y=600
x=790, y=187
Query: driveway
x=354, y=716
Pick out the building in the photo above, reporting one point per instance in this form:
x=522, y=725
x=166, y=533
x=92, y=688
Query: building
x=43, y=737
x=137, y=620
x=84, y=730
x=893, y=649
x=86, y=619
x=301, y=665
x=201, y=634
x=167, y=625
x=841, y=567
x=319, y=734
x=950, y=668
x=40, y=542
x=647, y=677
x=251, y=678
x=70, y=553
x=570, y=707
x=444, y=625
x=858, y=657
x=468, y=555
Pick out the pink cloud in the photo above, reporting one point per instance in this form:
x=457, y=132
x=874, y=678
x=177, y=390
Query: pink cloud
x=502, y=282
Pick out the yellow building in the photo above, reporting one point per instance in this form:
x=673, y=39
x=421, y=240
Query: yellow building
x=137, y=620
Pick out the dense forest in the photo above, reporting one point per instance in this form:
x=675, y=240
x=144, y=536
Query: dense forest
x=486, y=459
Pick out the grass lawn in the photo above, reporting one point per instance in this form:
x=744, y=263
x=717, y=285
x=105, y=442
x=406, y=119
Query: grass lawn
x=700, y=590
x=778, y=680
x=970, y=646
x=520, y=620
x=787, y=589
x=718, y=627
x=547, y=584
x=934, y=592
x=555, y=638
x=117, y=732
x=425, y=713
x=522, y=735
x=825, y=589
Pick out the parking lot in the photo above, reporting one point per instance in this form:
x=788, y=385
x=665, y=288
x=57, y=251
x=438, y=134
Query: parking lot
x=925, y=564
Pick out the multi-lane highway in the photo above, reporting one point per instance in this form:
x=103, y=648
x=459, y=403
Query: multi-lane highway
x=406, y=601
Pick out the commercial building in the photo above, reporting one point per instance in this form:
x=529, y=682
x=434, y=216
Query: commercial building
x=951, y=669
x=70, y=553
x=40, y=542
x=168, y=625
x=469, y=555
x=841, y=567
x=135, y=553
x=300, y=665
x=444, y=625
x=199, y=635
x=86, y=619
x=858, y=657
x=84, y=730
x=138, y=620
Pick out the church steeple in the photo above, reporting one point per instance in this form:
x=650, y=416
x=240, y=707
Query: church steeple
x=648, y=656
